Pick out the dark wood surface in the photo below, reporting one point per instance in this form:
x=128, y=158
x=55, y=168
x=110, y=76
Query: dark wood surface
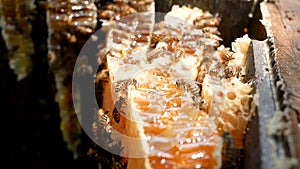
x=258, y=149
x=283, y=28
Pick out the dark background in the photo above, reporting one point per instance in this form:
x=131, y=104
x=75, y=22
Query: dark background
x=31, y=135
x=30, y=118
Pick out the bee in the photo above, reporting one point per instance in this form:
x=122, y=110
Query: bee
x=226, y=56
x=189, y=85
x=104, y=120
x=126, y=10
x=208, y=24
x=172, y=43
x=179, y=53
x=122, y=85
x=103, y=75
x=140, y=6
x=202, y=103
x=107, y=14
x=112, y=7
x=232, y=70
x=155, y=53
x=206, y=20
x=69, y=37
x=116, y=10
x=118, y=109
x=211, y=30
x=155, y=38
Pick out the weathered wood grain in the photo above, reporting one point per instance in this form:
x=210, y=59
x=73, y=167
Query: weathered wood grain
x=281, y=19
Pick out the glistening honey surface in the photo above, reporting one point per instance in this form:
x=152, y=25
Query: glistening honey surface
x=195, y=150
x=180, y=136
x=177, y=136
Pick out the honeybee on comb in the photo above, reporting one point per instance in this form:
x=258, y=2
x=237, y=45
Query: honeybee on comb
x=172, y=42
x=116, y=11
x=226, y=55
x=208, y=23
x=232, y=71
x=122, y=85
x=155, y=53
x=206, y=20
x=104, y=120
x=190, y=86
x=140, y=5
x=179, y=53
x=118, y=109
x=155, y=38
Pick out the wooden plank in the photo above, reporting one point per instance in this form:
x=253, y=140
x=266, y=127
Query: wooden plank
x=281, y=19
x=286, y=33
x=257, y=137
x=295, y=132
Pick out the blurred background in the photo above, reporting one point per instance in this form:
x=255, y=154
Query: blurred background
x=32, y=137
x=31, y=123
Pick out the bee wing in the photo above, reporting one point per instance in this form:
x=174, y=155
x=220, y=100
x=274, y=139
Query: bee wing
x=198, y=83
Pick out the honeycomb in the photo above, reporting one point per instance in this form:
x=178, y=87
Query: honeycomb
x=178, y=133
x=172, y=85
x=16, y=31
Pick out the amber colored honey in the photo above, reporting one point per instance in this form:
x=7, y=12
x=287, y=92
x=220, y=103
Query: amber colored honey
x=197, y=141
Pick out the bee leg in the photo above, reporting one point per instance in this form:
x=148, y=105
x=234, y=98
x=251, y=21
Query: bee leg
x=123, y=112
x=194, y=98
x=195, y=101
x=178, y=83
